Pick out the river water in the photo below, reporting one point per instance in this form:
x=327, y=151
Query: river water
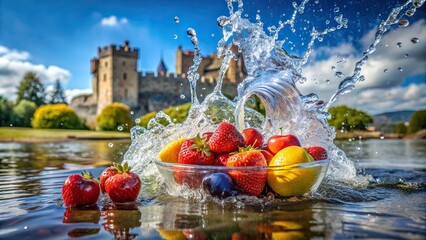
x=393, y=206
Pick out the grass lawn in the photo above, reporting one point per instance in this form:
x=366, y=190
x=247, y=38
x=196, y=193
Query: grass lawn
x=15, y=133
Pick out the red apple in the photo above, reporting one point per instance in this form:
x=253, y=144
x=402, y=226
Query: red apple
x=278, y=142
x=253, y=137
x=317, y=152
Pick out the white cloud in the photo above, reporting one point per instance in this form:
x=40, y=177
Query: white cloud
x=70, y=93
x=375, y=94
x=113, y=21
x=13, y=66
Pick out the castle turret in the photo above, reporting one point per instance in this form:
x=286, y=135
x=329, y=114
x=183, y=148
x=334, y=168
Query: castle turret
x=115, y=76
x=162, y=68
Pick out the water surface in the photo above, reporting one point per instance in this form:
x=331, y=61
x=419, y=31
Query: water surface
x=31, y=176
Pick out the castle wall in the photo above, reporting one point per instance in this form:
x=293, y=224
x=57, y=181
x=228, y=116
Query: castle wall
x=125, y=81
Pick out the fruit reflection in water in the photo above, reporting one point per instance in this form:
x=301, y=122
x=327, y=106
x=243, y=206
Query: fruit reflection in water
x=120, y=219
x=82, y=215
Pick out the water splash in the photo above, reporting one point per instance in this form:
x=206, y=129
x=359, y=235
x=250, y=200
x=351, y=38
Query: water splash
x=272, y=75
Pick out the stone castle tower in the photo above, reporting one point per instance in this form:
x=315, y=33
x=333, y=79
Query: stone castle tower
x=115, y=76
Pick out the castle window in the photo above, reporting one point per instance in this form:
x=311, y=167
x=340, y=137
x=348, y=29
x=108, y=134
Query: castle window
x=125, y=94
x=106, y=64
x=124, y=76
x=105, y=77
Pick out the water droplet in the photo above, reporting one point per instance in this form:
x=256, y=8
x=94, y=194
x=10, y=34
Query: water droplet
x=110, y=145
x=382, y=137
x=386, y=70
x=336, y=9
x=418, y=3
x=399, y=44
x=339, y=74
x=191, y=32
x=320, y=39
x=316, y=2
x=410, y=12
x=212, y=35
x=333, y=68
x=414, y=40
x=182, y=96
x=120, y=128
x=137, y=120
x=403, y=22
x=175, y=36
x=327, y=22
x=406, y=55
x=194, y=40
x=246, y=15
x=361, y=78
x=177, y=20
x=327, y=81
x=25, y=227
x=400, y=69
x=131, y=112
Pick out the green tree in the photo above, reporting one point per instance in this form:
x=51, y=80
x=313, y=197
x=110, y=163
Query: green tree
x=6, y=113
x=417, y=121
x=23, y=113
x=113, y=117
x=57, y=95
x=349, y=119
x=400, y=128
x=31, y=89
x=56, y=116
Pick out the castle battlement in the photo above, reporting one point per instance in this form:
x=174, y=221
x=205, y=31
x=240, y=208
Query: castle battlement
x=122, y=50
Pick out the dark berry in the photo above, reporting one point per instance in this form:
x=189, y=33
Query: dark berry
x=219, y=185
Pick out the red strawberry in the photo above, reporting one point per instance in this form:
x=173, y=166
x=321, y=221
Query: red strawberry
x=80, y=190
x=249, y=181
x=222, y=159
x=195, y=151
x=124, y=186
x=108, y=172
x=207, y=135
x=253, y=137
x=226, y=139
x=317, y=152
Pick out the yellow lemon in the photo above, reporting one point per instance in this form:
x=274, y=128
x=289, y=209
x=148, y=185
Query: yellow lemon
x=171, y=234
x=292, y=182
x=170, y=152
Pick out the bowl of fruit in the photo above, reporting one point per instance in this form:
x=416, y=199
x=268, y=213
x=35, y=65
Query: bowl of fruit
x=227, y=162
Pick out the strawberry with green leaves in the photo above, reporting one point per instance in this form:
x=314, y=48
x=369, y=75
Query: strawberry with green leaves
x=124, y=186
x=106, y=173
x=226, y=138
x=253, y=181
x=195, y=151
x=80, y=190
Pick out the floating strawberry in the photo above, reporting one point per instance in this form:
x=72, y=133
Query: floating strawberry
x=80, y=190
x=249, y=181
x=195, y=151
x=108, y=172
x=124, y=186
x=222, y=159
x=317, y=152
x=226, y=139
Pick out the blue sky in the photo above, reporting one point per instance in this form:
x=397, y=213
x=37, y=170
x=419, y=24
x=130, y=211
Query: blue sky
x=58, y=38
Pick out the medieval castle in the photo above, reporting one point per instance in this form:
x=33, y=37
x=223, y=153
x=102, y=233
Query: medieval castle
x=117, y=79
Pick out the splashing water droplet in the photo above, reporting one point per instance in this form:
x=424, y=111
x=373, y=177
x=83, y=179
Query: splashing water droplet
x=131, y=112
x=191, y=32
x=212, y=35
x=327, y=22
x=327, y=81
x=175, y=36
x=399, y=44
x=403, y=22
x=333, y=68
x=25, y=227
x=177, y=19
x=110, y=145
x=382, y=137
x=414, y=40
x=410, y=12
x=386, y=70
x=406, y=55
x=336, y=9
x=361, y=78
x=182, y=96
x=400, y=69
x=120, y=128
x=418, y=3
x=339, y=74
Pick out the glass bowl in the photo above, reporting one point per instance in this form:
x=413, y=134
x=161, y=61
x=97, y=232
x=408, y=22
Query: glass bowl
x=287, y=181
